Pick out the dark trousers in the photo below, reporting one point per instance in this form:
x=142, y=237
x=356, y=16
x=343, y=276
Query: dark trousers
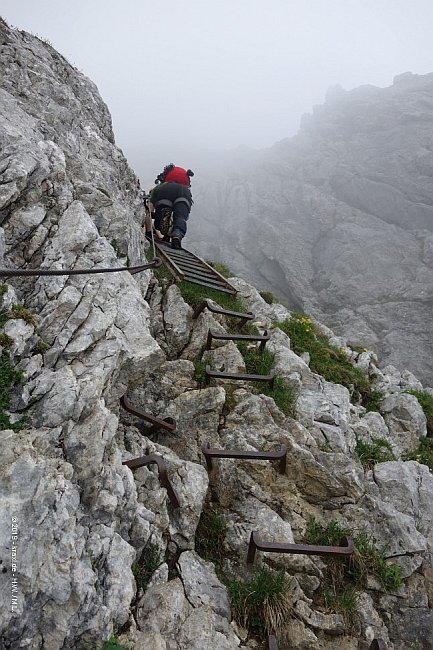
x=168, y=196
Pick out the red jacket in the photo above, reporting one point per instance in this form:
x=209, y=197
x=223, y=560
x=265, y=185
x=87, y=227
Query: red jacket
x=178, y=175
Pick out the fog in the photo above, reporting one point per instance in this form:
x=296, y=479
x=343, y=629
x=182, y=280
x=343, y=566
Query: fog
x=181, y=79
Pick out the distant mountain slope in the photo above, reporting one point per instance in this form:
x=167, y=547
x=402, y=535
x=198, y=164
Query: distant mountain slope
x=338, y=220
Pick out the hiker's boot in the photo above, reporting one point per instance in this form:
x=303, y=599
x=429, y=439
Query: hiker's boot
x=166, y=221
x=176, y=242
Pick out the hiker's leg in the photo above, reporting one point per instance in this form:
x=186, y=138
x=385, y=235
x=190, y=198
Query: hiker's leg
x=180, y=217
x=157, y=218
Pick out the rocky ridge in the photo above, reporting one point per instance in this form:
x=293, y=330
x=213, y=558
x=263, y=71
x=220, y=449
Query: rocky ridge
x=338, y=220
x=84, y=520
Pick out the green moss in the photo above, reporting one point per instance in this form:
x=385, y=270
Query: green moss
x=378, y=451
x=328, y=360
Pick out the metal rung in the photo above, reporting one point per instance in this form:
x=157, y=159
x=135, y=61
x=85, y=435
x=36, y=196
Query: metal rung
x=256, y=543
x=190, y=266
x=280, y=455
x=201, y=276
x=167, y=423
x=196, y=268
x=208, y=284
x=184, y=265
x=216, y=374
x=225, y=312
x=135, y=463
x=237, y=337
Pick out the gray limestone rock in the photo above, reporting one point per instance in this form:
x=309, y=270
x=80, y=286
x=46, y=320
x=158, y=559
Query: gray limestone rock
x=177, y=317
x=201, y=585
x=69, y=200
x=405, y=420
x=337, y=220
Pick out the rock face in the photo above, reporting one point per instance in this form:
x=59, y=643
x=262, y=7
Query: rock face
x=338, y=221
x=91, y=549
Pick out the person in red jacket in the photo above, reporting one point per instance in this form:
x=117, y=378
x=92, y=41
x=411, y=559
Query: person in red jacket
x=173, y=191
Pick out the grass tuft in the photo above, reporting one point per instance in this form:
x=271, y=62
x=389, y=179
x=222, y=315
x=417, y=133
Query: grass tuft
x=149, y=562
x=200, y=371
x=9, y=378
x=423, y=454
x=194, y=294
x=268, y=297
x=222, y=269
x=3, y=290
x=329, y=361
x=264, y=603
x=261, y=363
x=209, y=537
x=342, y=601
x=19, y=311
x=6, y=341
x=367, y=559
x=378, y=451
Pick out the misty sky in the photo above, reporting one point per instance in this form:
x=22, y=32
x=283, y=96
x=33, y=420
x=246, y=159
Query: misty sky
x=180, y=75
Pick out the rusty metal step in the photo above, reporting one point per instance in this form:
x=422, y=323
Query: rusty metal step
x=216, y=374
x=237, y=337
x=280, y=454
x=225, y=312
x=186, y=266
x=135, y=463
x=348, y=548
x=167, y=423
